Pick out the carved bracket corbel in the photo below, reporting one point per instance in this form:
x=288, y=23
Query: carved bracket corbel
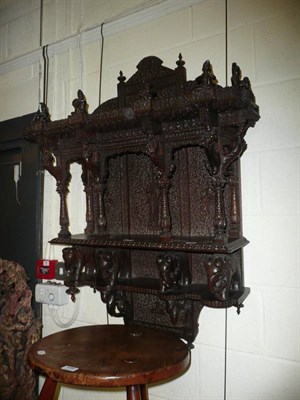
x=223, y=275
x=80, y=268
x=109, y=271
x=174, y=272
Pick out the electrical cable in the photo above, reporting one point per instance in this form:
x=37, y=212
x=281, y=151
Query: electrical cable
x=100, y=91
x=41, y=45
x=46, y=73
x=124, y=14
x=57, y=319
x=225, y=357
x=41, y=22
x=226, y=43
x=226, y=83
x=81, y=59
x=101, y=62
x=127, y=13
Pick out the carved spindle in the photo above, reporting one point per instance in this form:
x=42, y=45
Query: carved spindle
x=121, y=88
x=121, y=78
x=180, y=62
x=89, y=209
x=220, y=223
x=86, y=178
x=102, y=221
x=63, y=190
x=234, y=207
x=180, y=70
x=164, y=182
x=96, y=208
x=96, y=218
x=165, y=221
x=64, y=222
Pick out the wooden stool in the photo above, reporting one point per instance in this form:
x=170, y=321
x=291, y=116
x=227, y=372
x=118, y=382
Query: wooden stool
x=108, y=356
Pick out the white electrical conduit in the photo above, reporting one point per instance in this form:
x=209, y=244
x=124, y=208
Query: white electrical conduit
x=57, y=318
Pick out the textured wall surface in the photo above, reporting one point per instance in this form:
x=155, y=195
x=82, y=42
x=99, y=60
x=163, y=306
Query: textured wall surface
x=263, y=38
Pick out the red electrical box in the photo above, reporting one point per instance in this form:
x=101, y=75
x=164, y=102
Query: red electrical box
x=45, y=269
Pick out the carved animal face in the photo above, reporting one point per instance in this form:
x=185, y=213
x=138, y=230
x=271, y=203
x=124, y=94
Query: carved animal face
x=70, y=257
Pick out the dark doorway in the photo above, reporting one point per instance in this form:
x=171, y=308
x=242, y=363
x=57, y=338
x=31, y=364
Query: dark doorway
x=21, y=188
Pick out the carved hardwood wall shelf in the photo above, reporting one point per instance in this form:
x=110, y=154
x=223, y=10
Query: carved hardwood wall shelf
x=160, y=170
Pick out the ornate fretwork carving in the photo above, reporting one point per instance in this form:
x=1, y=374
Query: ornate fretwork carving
x=113, y=265
x=160, y=171
x=234, y=187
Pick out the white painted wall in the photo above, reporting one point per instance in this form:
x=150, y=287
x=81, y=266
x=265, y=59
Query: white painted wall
x=263, y=342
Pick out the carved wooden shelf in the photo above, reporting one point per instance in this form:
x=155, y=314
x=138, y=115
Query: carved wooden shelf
x=160, y=170
x=180, y=243
x=197, y=292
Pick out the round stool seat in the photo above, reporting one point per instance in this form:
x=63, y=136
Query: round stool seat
x=110, y=356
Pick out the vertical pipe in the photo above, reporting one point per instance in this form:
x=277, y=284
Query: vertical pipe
x=226, y=84
x=41, y=22
x=45, y=77
x=41, y=44
x=101, y=62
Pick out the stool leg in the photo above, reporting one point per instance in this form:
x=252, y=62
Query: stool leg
x=144, y=392
x=48, y=390
x=133, y=392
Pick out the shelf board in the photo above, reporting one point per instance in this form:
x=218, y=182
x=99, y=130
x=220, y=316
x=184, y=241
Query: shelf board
x=193, y=244
x=196, y=292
